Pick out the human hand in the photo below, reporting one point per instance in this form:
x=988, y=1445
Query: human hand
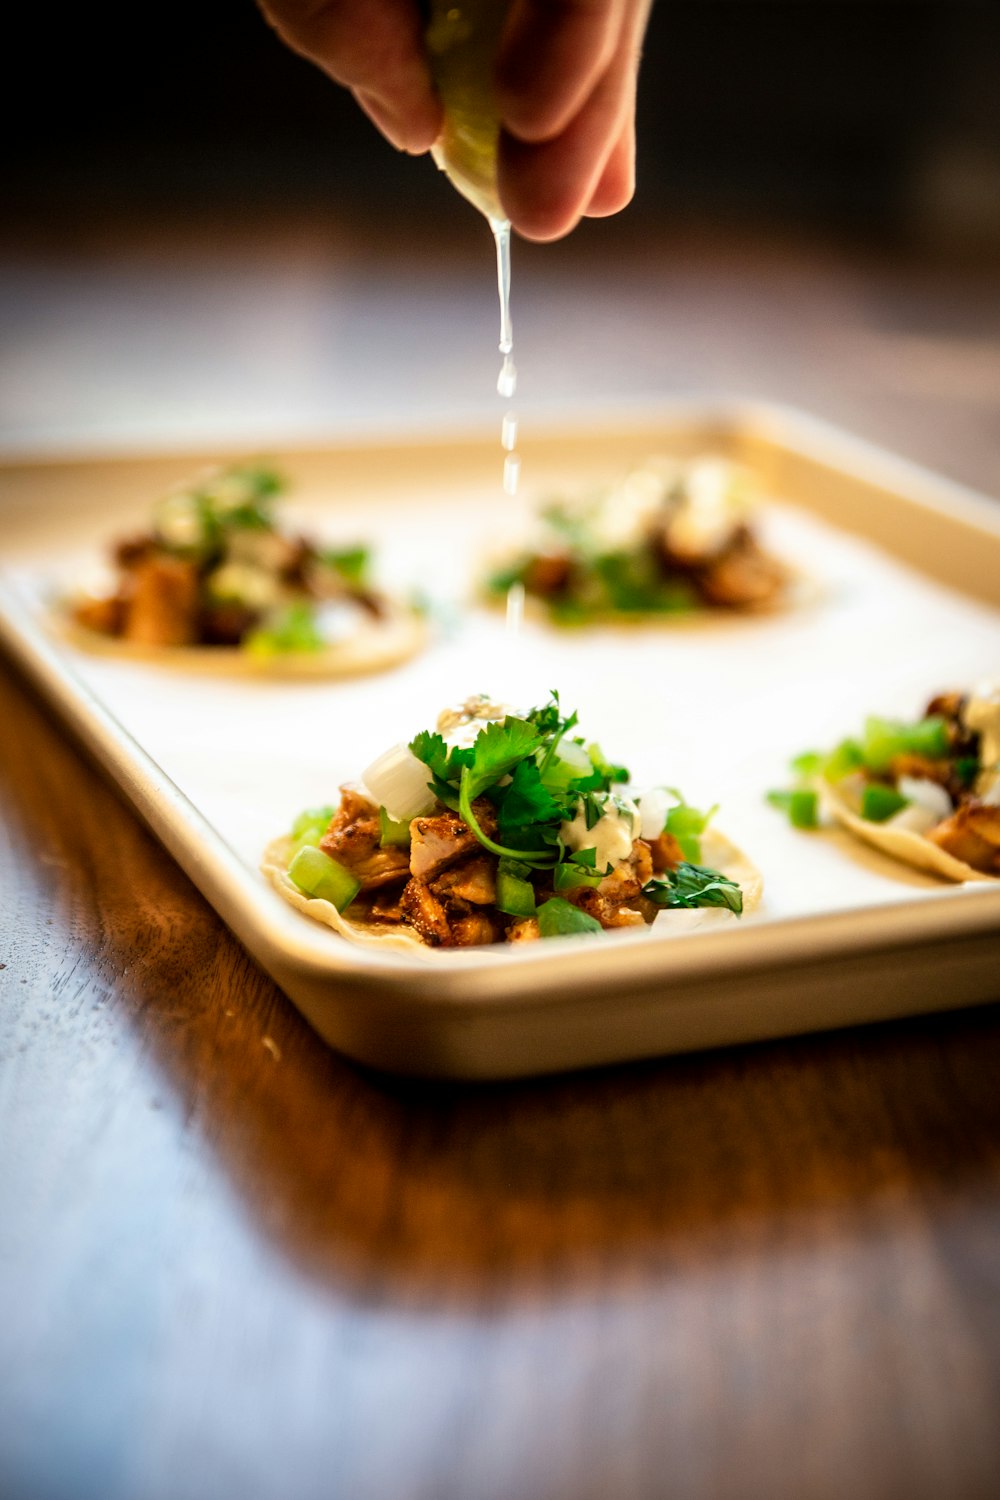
x=565, y=87
x=566, y=81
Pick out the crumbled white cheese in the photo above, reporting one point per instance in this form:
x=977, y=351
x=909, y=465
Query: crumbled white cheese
x=460, y=724
x=712, y=503
x=253, y=587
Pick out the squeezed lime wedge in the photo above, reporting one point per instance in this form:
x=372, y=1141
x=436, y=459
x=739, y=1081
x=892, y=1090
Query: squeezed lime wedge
x=462, y=38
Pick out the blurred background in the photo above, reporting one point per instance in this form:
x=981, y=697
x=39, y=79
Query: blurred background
x=206, y=241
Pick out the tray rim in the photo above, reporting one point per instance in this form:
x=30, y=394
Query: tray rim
x=438, y=984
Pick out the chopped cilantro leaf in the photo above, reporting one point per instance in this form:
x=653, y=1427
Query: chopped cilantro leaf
x=352, y=563
x=526, y=800
x=443, y=760
x=605, y=769
x=549, y=720
x=691, y=885
x=809, y=763
x=801, y=806
x=497, y=750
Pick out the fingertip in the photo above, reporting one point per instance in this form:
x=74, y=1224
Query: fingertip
x=542, y=204
x=414, y=132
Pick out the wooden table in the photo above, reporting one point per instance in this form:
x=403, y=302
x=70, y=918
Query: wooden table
x=232, y=1264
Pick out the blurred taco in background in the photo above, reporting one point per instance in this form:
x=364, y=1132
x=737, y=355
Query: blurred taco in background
x=671, y=539
x=216, y=580
x=926, y=792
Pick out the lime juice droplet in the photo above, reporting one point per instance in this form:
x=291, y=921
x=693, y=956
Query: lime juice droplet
x=511, y=473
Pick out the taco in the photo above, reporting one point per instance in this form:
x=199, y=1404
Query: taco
x=502, y=827
x=926, y=793
x=217, y=582
x=671, y=539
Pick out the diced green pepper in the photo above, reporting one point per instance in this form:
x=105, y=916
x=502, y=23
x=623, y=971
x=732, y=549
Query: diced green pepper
x=310, y=826
x=318, y=875
x=394, y=833
x=686, y=824
x=801, y=806
x=569, y=875
x=842, y=760
x=885, y=739
x=293, y=627
x=570, y=763
x=559, y=918
x=879, y=802
x=515, y=895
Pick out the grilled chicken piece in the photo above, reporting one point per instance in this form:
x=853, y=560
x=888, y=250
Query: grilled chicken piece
x=226, y=624
x=611, y=913
x=134, y=549
x=972, y=834
x=162, y=602
x=386, y=904
x=922, y=768
x=353, y=839
x=422, y=911
x=743, y=576
x=618, y=900
x=473, y=880
x=439, y=840
x=948, y=706
x=524, y=931
x=469, y=929
x=548, y=574
x=665, y=852
x=447, y=923
x=106, y=616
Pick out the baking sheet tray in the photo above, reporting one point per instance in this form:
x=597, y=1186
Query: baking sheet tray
x=907, y=575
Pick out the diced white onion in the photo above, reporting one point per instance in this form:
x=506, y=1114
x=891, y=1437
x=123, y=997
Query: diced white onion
x=574, y=755
x=926, y=794
x=653, y=808
x=398, y=781
x=913, y=819
x=337, y=622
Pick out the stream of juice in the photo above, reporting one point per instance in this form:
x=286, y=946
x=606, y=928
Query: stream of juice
x=462, y=38
x=507, y=379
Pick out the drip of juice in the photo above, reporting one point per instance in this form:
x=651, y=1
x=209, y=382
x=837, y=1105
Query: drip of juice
x=515, y=608
x=511, y=473
x=507, y=379
x=508, y=432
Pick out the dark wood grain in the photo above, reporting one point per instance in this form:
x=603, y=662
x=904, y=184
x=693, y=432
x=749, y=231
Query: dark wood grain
x=232, y=1264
